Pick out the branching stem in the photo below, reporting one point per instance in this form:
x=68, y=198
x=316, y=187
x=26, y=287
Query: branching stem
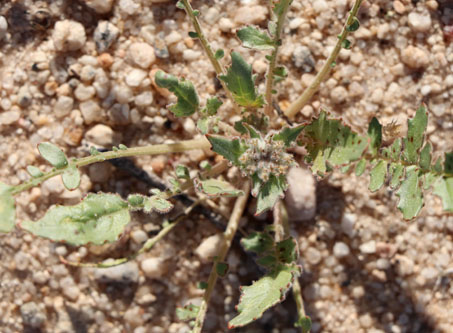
x=303, y=99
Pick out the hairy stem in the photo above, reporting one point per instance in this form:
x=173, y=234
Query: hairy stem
x=303, y=99
x=228, y=235
x=179, y=147
x=273, y=62
x=218, y=67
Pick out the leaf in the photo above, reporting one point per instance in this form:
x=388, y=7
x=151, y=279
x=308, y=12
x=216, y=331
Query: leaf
x=188, y=312
x=288, y=134
x=185, y=92
x=157, y=204
x=346, y=44
x=216, y=188
x=448, y=163
x=240, y=83
x=304, y=323
x=7, y=209
x=71, y=177
x=97, y=219
x=270, y=192
x=280, y=73
x=444, y=189
x=378, y=174
x=193, y=34
x=53, y=155
x=212, y=105
x=182, y=172
x=375, y=135
x=287, y=250
x=281, y=6
x=255, y=38
x=34, y=171
x=415, y=135
x=231, y=149
x=410, y=194
x=219, y=54
x=425, y=157
x=263, y=294
x=354, y=26
x=203, y=125
x=360, y=167
x=258, y=242
x=221, y=268
x=397, y=171
x=252, y=131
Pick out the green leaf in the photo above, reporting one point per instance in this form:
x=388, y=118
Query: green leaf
x=354, y=26
x=240, y=83
x=415, y=135
x=193, y=34
x=375, y=135
x=360, y=167
x=188, y=312
x=212, y=105
x=71, y=177
x=7, y=209
x=263, y=294
x=203, y=125
x=270, y=192
x=53, y=155
x=221, y=268
x=444, y=189
x=304, y=323
x=258, y=242
x=231, y=149
x=185, y=92
x=158, y=204
x=394, y=150
x=136, y=200
x=34, y=171
x=180, y=5
x=410, y=194
x=255, y=38
x=346, y=44
x=216, y=188
x=287, y=250
x=252, y=131
x=202, y=285
x=448, y=163
x=425, y=157
x=280, y=73
x=182, y=172
x=397, y=172
x=97, y=219
x=378, y=174
x=288, y=134
x=281, y=6
x=219, y=54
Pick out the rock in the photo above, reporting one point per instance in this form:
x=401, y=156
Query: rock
x=191, y=55
x=100, y=6
x=100, y=134
x=63, y=106
x=135, y=77
x=123, y=94
x=32, y=315
x=320, y=6
x=209, y=247
x=9, y=117
x=154, y=268
x=84, y=92
x=419, y=22
x=88, y=73
x=24, y=97
x=368, y=247
x=105, y=35
x=250, y=14
x=91, y=111
x=347, y=224
x=225, y=24
x=3, y=27
x=127, y=273
x=313, y=256
x=69, y=288
x=139, y=236
x=415, y=57
x=303, y=58
x=339, y=95
x=141, y=54
x=128, y=7
x=144, y=99
x=134, y=316
x=301, y=195
x=21, y=261
x=399, y=7
x=341, y=250
x=68, y=35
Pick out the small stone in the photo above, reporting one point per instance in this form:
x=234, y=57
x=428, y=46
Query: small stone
x=129, y=7
x=134, y=316
x=313, y=256
x=419, y=22
x=347, y=224
x=368, y=247
x=91, y=111
x=135, y=77
x=341, y=250
x=105, y=35
x=366, y=321
x=127, y=273
x=32, y=315
x=3, y=27
x=123, y=93
x=9, y=117
x=320, y=6
x=24, y=97
x=358, y=292
x=84, y=92
x=63, y=106
x=382, y=264
x=339, y=95
x=21, y=261
x=250, y=14
x=225, y=24
x=144, y=99
x=69, y=288
x=100, y=135
x=189, y=126
x=154, y=268
x=303, y=58
x=100, y=6
x=141, y=54
x=430, y=274
x=105, y=60
x=415, y=57
x=191, y=55
x=88, y=73
x=68, y=35
x=41, y=277
x=139, y=236
x=209, y=247
x=399, y=7
x=301, y=194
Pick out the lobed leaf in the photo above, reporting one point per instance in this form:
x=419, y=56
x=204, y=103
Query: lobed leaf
x=231, y=149
x=53, y=155
x=444, y=189
x=288, y=134
x=212, y=105
x=158, y=204
x=378, y=174
x=375, y=135
x=410, y=194
x=188, y=312
x=7, y=209
x=415, y=135
x=268, y=192
x=216, y=188
x=255, y=38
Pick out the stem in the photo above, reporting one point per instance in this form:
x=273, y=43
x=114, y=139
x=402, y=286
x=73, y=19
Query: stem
x=218, y=67
x=228, y=235
x=179, y=147
x=270, y=70
x=303, y=99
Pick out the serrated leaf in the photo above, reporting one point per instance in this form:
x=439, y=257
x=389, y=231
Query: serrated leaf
x=394, y=150
x=255, y=38
x=182, y=172
x=375, y=135
x=429, y=179
x=444, y=189
x=231, y=149
x=188, y=312
x=240, y=83
x=252, y=131
x=212, y=106
x=7, y=209
x=360, y=167
x=71, y=177
x=216, y=188
x=263, y=294
x=397, y=172
x=34, y=171
x=287, y=250
x=288, y=134
x=99, y=218
x=53, y=155
x=185, y=92
x=415, y=135
x=258, y=242
x=270, y=192
x=410, y=194
x=377, y=175
x=219, y=54
x=157, y=204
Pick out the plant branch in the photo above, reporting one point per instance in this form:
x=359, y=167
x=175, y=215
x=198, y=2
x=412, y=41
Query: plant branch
x=179, y=147
x=303, y=99
x=228, y=235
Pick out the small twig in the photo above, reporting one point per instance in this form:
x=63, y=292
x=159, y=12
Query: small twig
x=303, y=99
x=228, y=235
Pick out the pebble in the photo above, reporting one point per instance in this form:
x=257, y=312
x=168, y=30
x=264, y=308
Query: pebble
x=88, y=73
x=134, y=316
x=69, y=288
x=3, y=27
x=24, y=97
x=250, y=14
x=368, y=247
x=341, y=250
x=84, y=92
x=142, y=55
x=154, y=268
x=126, y=273
x=399, y=7
x=128, y=7
x=68, y=35
x=420, y=22
x=303, y=58
x=100, y=134
x=139, y=236
x=320, y=6
x=144, y=99
x=301, y=194
x=209, y=247
x=313, y=256
x=105, y=35
x=225, y=24
x=63, y=106
x=339, y=95
x=32, y=315
x=191, y=55
x=135, y=77
x=347, y=224
x=91, y=111
x=415, y=57
x=100, y=6
x=21, y=261
x=9, y=117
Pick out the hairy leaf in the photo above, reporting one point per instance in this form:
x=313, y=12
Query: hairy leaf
x=182, y=172
x=216, y=188
x=269, y=192
x=34, y=171
x=255, y=38
x=444, y=189
x=157, y=204
x=415, y=135
x=53, y=155
x=7, y=209
x=360, y=167
x=288, y=134
x=258, y=242
x=97, y=219
x=410, y=194
x=378, y=174
x=185, y=92
x=188, y=312
x=241, y=84
x=425, y=157
x=231, y=149
x=212, y=105
x=71, y=177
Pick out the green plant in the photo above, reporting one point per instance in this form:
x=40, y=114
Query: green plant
x=263, y=154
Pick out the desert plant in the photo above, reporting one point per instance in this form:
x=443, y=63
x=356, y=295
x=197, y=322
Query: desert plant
x=262, y=153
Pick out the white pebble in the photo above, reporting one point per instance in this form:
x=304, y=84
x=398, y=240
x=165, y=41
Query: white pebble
x=139, y=236
x=21, y=261
x=313, y=256
x=63, y=106
x=100, y=134
x=135, y=77
x=209, y=247
x=123, y=94
x=368, y=247
x=341, y=250
x=320, y=6
x=144, y=99
x=154, y=268
x=68, y=35
x=129, y=7
x=225, y=24
x=191, y=55
x=100, y=6
x=339, y=95
x=141, y=54
x=9, y=117
x=189, y=126
x=91, y=111
x=419, y=22
x=105, y=34
x=347, y=224
x=3, y=27
x=301, y=195
x=84, y=92
x=250, y=14
x=415, y=57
